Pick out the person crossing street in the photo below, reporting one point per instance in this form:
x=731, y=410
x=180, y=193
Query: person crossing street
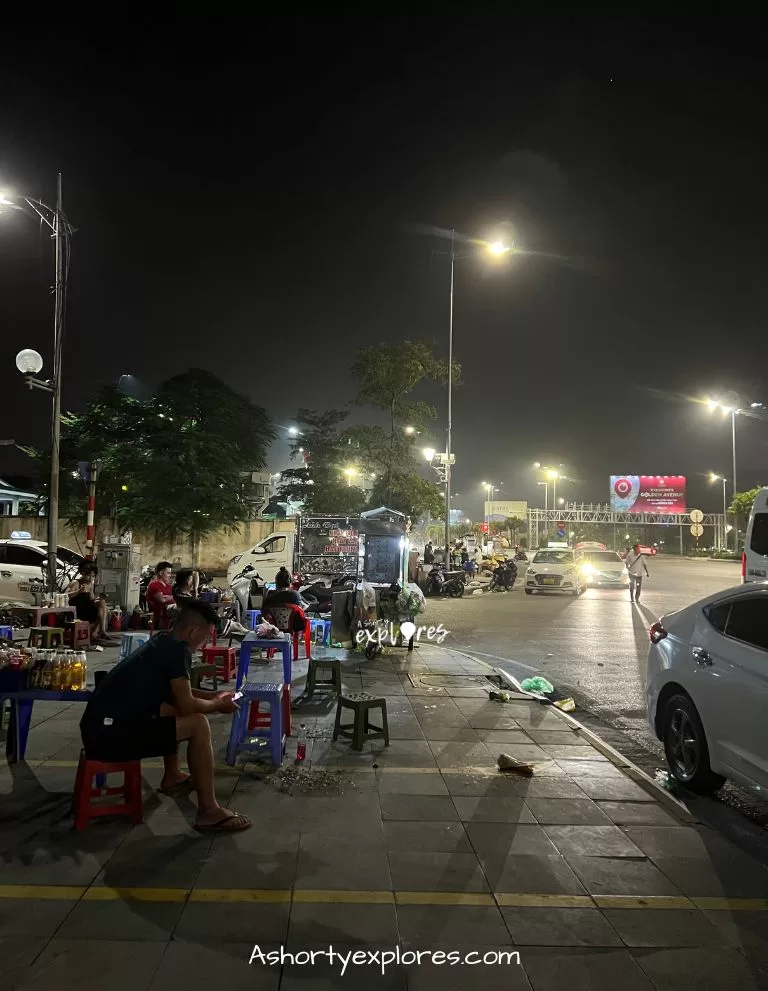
x=635, y=562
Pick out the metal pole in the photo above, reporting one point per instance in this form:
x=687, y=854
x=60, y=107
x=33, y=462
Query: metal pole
x=733, y=469
x=554, y=493
x=725, y=516
x=90, y=531
x=450, y=401
x=58, y=340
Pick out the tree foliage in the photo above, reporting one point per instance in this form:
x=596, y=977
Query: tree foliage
x=323, y=449
x=175, y=464
x=742, y=502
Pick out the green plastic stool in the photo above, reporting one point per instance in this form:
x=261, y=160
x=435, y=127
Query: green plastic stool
x=361, y=730
x=200, y=671
x=318, y=665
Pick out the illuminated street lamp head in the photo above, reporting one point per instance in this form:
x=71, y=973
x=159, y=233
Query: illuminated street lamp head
x=293, y=431
x=713, y=404
x=410, y=430
x=4, y=200
x=349, y=472
x=429, y=453
x=537, y=464
x=29, y=362
x=498, y=248
x=553, y=474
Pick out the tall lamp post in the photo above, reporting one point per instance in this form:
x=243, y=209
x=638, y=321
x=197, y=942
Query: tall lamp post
x=733, y=412
x=721, y=478
x=498, y=249
x=30, y=363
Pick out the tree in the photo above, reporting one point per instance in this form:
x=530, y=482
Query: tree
x=408, y=493
x=387, y=375
x=176, y=464
x=320, y=484
x=742, y=502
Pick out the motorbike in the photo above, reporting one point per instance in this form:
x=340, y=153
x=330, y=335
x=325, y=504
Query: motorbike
x=503, y=577
x=319, y=595
x=521, y=556
x=438, y=583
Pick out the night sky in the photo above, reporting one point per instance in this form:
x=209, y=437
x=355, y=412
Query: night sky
x=249, y=195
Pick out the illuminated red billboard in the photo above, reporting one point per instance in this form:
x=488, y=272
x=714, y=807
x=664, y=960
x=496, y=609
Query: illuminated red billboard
x=648, y=493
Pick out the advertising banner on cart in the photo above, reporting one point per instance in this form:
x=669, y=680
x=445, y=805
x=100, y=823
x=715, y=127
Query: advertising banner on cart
x=648, y=493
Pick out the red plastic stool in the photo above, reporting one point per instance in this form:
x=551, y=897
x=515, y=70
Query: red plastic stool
x=261, y=720
x=87, y=770
x=224, y=658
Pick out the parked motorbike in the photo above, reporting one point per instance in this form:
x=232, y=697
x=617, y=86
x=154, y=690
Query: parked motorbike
x=521, y=556
x=503, y=577
x=321, y=594
x=440, y=583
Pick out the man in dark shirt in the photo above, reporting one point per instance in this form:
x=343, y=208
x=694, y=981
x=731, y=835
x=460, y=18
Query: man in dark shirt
x=145, y=707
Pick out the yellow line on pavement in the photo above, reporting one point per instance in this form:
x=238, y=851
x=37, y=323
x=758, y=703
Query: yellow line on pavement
x=98, y=893
x=442, y=898
x=642, y=901
x=544, y=901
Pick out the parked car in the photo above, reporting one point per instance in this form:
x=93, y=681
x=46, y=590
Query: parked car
x=555, y=570
x=754, y=560
x=707, y=688
x=604, y=568
x=23, y=568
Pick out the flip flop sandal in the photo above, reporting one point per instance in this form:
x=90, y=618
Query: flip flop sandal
x=231, y=824
x=182, y=788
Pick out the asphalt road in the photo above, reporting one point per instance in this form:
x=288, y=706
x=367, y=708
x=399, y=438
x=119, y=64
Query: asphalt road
x=593, y=648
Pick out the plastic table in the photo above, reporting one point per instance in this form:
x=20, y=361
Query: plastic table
x=21, y=715
x=284, y=646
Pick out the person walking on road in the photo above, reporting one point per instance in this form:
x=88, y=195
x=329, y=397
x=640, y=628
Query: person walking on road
x=635, y=562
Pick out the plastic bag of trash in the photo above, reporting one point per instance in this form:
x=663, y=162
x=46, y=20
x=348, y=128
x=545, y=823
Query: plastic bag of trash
x=537, y=684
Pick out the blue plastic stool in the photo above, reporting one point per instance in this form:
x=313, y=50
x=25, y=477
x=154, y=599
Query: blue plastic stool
x=315, y=624
x=240, y=735
x=252, y=617
x=6, y=632
x=130, y=642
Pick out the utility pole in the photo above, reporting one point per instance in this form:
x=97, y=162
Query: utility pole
x=58, y=342
x=450, y=401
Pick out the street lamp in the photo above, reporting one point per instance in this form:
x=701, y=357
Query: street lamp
x=429, y=453
x=546, y=495
x=721, y=478
x=496, y=249
x=30, y=363
x=350, y=473
x=733, y=411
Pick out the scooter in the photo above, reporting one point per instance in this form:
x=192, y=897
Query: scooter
x=438, y=584
x=503, y=577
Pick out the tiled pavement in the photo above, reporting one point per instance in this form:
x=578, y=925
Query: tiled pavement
x=594, y=878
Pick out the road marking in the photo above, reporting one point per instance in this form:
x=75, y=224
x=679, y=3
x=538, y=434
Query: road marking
x=98, y=893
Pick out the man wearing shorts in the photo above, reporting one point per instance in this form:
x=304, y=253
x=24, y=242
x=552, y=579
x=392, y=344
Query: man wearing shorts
x=145, y=707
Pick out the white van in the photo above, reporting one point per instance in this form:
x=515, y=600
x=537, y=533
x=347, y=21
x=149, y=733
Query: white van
x=754, y=560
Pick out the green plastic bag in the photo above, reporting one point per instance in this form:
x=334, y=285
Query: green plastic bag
x=537, y=684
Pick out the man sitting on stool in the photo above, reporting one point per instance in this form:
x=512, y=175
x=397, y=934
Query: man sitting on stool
x=144, y=707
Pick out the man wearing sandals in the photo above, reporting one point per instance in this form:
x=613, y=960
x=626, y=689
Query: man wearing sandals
x=145, y=707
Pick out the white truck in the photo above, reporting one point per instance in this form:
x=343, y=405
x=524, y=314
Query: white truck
x=373, y=545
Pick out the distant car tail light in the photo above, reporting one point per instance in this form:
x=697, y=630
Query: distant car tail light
x=657, y=633
x=744, y=566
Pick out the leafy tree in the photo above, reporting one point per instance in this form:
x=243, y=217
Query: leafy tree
x=176, y=464
x=324, y=450
x=742, y=502
x=408, y=493
x=387, y=375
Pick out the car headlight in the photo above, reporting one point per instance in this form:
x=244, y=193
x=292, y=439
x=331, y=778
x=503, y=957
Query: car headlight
x=587, y=569
x=531, y=571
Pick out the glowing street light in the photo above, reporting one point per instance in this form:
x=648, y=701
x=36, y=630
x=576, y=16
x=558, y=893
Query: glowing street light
x=429, y=453
x=498, y=249
x=732, y=411
x=410, y=430
x=350, y=472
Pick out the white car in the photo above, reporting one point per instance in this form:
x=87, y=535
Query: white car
x=707, y=688
x=555, y=570
x=23, y=569
x=605, y=569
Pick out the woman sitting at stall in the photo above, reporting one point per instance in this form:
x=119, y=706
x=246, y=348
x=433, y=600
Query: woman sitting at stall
x=89, y=609
x=186, y=585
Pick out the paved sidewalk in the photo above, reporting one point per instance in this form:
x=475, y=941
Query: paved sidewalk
x=587, y=871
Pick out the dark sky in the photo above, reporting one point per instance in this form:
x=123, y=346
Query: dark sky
x=246, y=195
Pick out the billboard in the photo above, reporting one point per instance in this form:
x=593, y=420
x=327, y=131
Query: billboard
x=497, y=512
x=648, y=493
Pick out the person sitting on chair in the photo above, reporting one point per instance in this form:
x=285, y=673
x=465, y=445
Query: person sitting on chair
x=88, y=608
x=186, y=585
x=145, y=706
x=283, y=595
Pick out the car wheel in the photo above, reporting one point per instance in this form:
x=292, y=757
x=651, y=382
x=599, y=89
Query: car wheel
x=529, y=591
x=685, y=745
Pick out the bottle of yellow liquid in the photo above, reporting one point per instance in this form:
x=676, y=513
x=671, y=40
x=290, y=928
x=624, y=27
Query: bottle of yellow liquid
x=46, y=680
x=78, y=671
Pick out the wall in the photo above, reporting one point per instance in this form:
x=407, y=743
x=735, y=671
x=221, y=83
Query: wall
x=212, y=553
